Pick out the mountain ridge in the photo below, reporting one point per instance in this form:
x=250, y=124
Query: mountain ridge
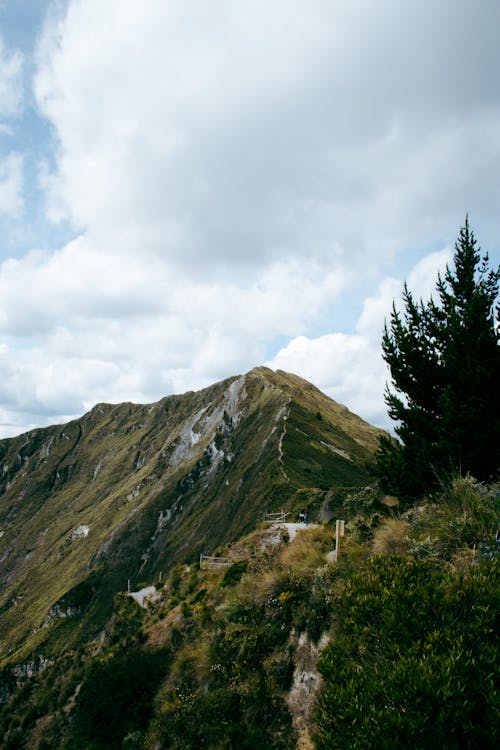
x=127, y=491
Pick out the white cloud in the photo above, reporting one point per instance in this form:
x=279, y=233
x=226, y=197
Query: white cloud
x=376, y=309
x=350, y=368
x=236, y=135
x=422, y=278
x=11, y=163
x=421, y=282
x=239, y=175
x=84, y=283
x=85, y=326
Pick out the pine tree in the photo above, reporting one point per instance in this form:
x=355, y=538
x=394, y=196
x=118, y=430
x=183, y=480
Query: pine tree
x=444, y=360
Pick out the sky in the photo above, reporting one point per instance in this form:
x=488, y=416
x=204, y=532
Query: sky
x=192, y=188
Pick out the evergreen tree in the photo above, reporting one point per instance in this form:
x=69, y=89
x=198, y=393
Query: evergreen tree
x=444, y=360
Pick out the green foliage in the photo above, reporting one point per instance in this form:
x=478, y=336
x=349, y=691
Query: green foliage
x=116, y=698
x=364, y=508
x=223, y=718
x=229, y=693
x=332, y=456
x=127, y=622
x=234, y=573
x=364, y=502
x=463, y=517
x=414, y=659
x=38, y=698
x=411, y=661
x=445, y=368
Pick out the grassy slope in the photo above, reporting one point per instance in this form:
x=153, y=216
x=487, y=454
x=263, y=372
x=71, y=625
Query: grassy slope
x=101, y=471
x=114, y=471
x=409, y=610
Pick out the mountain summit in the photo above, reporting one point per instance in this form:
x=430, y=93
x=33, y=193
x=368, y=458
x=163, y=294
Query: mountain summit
x=126, y=491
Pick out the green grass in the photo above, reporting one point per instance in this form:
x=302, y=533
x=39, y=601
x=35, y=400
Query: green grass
x=111, y=470
x=409, y=662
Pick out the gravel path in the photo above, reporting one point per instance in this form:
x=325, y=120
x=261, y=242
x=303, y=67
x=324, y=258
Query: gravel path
x=293, y=528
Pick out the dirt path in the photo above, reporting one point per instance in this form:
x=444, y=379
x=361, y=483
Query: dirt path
x=293, y=528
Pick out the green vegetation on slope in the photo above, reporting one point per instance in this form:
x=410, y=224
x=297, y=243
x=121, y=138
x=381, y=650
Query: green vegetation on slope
x=333, y=457
x=413, y=661
x=128, y=491
x=410, y=612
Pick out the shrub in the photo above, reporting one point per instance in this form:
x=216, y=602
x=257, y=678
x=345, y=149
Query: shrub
x=391, y=537
x=224, y=717
x=462, y=517
x=126, y=628
x=116, y=698
x=413, y=659
x=364, y=501
x=234, y=573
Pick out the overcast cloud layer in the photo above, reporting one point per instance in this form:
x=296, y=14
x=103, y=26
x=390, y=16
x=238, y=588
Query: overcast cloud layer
x=190, y=189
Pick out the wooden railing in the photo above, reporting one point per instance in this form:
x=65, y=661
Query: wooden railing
x=279, y=517
x=208, y=561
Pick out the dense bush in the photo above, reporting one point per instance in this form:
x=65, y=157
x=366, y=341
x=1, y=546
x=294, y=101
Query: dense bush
x=116, y=698
x=223, y=718
x=414, y=658
x=234, y=573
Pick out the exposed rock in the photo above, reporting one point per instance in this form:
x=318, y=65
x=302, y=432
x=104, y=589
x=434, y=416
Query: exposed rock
x=81, y=531
x=144, y=595
x=305, y=686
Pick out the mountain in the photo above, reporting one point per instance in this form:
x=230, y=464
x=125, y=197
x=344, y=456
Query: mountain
x=295, y=642
x=121, y=495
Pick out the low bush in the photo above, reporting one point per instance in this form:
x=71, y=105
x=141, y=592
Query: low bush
x=234, y=573
x=116, y=698
x=223, y=718
x=414, y=659
x=464, y=516
x=391, y=537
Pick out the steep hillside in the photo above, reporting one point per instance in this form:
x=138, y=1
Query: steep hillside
x=392, y=645
x=127, y=491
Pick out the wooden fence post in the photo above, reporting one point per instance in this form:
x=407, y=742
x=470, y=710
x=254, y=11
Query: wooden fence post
x=339, y=531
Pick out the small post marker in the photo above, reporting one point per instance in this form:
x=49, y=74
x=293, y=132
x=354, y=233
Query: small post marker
x=339, y=531
x=128, y=586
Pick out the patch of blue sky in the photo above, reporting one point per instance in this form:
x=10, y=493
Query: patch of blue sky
x=30, y=228
x=21, y=21
x=30, y=135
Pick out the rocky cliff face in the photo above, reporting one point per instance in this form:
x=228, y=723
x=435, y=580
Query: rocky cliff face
x=129, y=490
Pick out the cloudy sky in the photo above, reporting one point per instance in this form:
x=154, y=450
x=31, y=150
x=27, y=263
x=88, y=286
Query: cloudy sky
x=191, y=188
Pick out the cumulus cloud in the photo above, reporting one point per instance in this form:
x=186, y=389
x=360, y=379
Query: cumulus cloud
x=85, y=326
x=237, y=176
x=421, y=282
x=233, y=135
x=350, y=368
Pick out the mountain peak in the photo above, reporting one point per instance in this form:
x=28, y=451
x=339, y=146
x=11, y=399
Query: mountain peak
x=129, y=490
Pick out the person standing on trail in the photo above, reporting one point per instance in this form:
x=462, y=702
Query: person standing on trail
x=305, y=514
x=301, y=515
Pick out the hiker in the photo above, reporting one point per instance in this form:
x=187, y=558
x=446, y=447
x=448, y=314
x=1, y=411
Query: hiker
x=301, y=515
x=306, y=515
